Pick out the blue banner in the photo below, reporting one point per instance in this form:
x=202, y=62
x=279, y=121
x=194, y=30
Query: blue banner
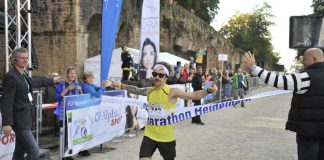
x=110, y=18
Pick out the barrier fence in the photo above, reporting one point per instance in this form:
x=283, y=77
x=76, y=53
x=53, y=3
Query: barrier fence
x=254, y=82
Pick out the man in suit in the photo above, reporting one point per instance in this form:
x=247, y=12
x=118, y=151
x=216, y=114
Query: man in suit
x=16, y=104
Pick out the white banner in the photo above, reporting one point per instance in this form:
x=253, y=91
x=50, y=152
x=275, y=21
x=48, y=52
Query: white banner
x=150, y=37
x=7, y=144
x=93, y=121
x=165, y=117
x=222, y=57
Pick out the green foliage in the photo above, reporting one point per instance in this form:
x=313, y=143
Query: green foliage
x=318, y=6
x=250, y=32
x=206, y=9
x=298, y=65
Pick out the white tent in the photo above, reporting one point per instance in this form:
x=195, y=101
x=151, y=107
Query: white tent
x=93, y=64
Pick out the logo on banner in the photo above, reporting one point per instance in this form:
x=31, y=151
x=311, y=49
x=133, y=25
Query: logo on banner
x=111, y=116
x=5, y=140
x=81, y=131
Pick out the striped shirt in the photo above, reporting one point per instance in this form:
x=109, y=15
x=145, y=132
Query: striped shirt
x=297, y=82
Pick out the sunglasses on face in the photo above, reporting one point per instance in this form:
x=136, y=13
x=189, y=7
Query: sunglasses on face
x=161, y=75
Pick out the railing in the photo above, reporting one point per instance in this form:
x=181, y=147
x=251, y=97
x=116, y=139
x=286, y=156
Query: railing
x=37, y=113
x=255, y=82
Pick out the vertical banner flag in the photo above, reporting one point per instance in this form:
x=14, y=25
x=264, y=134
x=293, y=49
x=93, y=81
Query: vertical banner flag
x=110, y=18
x=150, y=37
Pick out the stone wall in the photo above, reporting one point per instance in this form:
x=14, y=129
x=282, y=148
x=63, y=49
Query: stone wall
x=66, y=32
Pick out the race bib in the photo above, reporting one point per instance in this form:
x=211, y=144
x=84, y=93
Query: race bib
x=156, y=110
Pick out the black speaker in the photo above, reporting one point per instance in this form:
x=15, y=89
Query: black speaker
x=306, y=31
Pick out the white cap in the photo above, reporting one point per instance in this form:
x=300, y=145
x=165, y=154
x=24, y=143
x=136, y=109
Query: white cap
x=162, y=67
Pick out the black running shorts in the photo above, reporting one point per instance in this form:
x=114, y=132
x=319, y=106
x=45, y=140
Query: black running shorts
x=167, y=149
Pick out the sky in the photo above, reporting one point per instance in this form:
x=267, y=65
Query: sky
x=281, y=9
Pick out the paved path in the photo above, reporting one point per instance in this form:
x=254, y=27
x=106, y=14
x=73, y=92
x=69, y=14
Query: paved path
x=256, y=132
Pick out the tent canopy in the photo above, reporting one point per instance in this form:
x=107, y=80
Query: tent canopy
x=93, y=64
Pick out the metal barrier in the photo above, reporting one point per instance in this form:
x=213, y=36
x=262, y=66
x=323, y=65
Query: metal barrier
x=37, y=111
x=255, y=82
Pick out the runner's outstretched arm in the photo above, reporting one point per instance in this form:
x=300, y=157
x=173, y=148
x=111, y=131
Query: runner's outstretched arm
x=178, y=93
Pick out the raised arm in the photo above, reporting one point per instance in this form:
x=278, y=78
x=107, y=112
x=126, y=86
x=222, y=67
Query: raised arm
x=297, y=82
x=130, y=88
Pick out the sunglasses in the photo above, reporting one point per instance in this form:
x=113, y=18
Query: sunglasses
x=161, y=75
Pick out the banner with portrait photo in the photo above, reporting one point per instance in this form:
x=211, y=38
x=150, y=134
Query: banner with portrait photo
x=150, y=37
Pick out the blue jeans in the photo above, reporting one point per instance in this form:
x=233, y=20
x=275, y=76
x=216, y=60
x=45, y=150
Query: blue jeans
x=310, y=148
x=25, y=143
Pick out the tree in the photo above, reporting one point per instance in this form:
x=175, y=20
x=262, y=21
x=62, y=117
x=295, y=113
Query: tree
x=206, y=9
x=250, y=32
x=318, y=6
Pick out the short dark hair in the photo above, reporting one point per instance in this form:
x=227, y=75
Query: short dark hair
x=123, y=46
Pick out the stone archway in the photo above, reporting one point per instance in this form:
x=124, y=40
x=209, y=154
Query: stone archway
x=94, y=35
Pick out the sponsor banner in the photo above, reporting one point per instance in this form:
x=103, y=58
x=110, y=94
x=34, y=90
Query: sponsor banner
x=89, y=126
x=150, y=37
x=93, y=121
x=110, y=17
x=7, y=144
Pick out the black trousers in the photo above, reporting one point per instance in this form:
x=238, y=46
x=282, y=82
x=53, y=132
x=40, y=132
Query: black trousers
x=310, y=148
x=125, y=75
x=196, y=119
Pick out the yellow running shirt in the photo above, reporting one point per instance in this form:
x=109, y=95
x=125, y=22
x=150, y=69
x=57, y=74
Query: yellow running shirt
x=159, y=98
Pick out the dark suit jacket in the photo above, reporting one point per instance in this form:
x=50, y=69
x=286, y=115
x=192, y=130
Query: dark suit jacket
x=16, y=109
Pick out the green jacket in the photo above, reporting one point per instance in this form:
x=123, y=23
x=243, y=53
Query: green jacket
x=235, y=81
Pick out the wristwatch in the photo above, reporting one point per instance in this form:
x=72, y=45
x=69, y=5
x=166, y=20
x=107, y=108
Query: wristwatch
x=208, y=91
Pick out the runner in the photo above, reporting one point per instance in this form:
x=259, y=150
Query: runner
x=161, y=97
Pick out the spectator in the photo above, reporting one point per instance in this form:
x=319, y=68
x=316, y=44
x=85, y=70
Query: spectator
x=206, y=77
x=226, y=83
x=192, y=72
x=89, y=87
x=177, y=68
x=185, y=71
x=192, y=63
x=306, y=116
x=127, y=62
x=197, y=84
x=239, y=81
x=67, y=88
